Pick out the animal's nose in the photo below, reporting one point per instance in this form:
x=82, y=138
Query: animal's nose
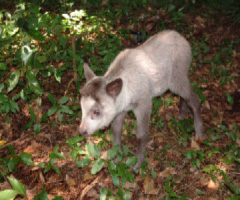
x=82, y=131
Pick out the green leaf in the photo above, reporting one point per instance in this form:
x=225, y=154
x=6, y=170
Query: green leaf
x=35, y=34
x=1, y=87
x=103, y=194
x=26, y=158
x=120, y=193
x=74, y=140
x=83, y=163
x=48, y=168
x=131, y=161
x=230, y=99
x=154, y=174
x=13, y=163
x=97, y=166
x=112, y=153
x=8, y=194
x=66, y=109
x=44, y=117
x=41, y=165
x=112, y=168
x=13, y=80
x=93, y=150
x=172, y=194
x=127, y=196
x=58, y=155
x=37, y=128
x=73, y=154
x=52, y=110
x=42, y=59
x=11, y=149
x=115, y=179
x=52, y=99
x=42, y=195
x=33, y=83
x=17, y=186
x=62, y=41
x=63, y=100
x=32, y=114
x=3, y=66
x=199, y=192
x=56, y=169
x=58, y=198
x=60, y=116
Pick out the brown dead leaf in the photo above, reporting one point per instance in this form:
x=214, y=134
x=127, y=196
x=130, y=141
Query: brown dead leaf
x=213, y=185
x=130, y=186
x=42, y=179
x=149, y=27
x=33, y=148
x=93, y=194
x=167, y=172
x=206, y=105
x=87, y=176
x=90, y=186
x=5, y=186
x=104, y=155
x=149, y=187
x=238, y=142
x=70, y=181
x=194, y=145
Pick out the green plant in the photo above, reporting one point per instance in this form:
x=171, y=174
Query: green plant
x=182, y=128
x=58, y=107
x=9, y=163
x=75, y=145
x=214, y=172
x=18, y=189
x=53, y=156
x=171, y=193
x=197, y=157
x=43, y=195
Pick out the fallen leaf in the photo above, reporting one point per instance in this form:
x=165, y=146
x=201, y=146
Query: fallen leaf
x=130, y=186
x=194, y=145
x=213, y=185
x=2, y=142
x=42, y=179
x=149, y=187
x=206, y=105
x=149, y=27
x=87, y=176
x=70, y=181
x=238, y=142
x=93, y=194
x=167, y=172
x=104, y=155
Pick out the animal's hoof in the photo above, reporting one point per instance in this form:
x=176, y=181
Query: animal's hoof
x=200, y=139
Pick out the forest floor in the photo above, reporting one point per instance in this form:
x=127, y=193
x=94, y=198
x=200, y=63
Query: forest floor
x=198, y=171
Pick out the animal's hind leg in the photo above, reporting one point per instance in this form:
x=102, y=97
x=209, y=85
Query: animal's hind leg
x=183, y=109
x=184, y=90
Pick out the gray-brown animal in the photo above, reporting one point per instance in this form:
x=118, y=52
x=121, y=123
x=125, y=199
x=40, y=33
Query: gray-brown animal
x=132, y=80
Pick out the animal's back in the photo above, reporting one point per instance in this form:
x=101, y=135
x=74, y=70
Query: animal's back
x=150, y=67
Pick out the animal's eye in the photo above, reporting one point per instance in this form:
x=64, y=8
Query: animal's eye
x=96, y=112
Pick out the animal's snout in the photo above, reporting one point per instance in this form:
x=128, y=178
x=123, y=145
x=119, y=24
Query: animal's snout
x=83, y=132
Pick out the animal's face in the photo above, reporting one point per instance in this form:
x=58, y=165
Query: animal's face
x=98, y=102
x=96, y=114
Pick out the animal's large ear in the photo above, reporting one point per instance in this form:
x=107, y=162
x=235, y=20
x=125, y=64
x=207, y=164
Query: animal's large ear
x=89, y=74
x=114, y=88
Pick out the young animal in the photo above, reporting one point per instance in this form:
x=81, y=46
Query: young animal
x=132, y=80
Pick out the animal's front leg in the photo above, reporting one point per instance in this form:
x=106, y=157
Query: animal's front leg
x=117, y=126
x=142, y=112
